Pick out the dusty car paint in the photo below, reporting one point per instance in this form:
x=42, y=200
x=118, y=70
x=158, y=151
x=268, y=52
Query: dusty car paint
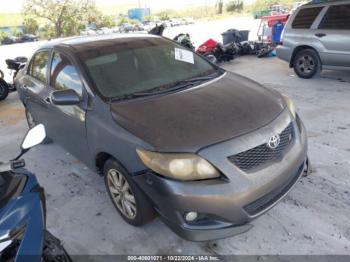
x=215, y=120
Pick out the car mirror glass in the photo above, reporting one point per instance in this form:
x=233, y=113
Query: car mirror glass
x=65, y=97
x=34, y=137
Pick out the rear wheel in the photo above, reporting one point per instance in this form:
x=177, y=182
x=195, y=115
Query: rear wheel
x=306, y=63
x=4, y=89
x=131, y=203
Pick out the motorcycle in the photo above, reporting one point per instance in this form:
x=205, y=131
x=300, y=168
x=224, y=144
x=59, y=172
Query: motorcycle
x=14, y=65
x=158, y=29
x=218, y=52
x=182, y=39
x=23, y=233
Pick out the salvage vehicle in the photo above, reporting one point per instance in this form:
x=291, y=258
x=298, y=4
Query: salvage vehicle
x=23, y=233
x=28, y=38
x=14, y=65
x=207, y=149
x=8, y=40
x=317, y=37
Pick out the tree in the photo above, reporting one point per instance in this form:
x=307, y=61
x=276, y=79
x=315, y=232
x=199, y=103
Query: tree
x=234, y=6
x=3, y=35
x=105, y=21
x=163, y=16
x=16, y=33
x=61, y=13
x=148, y=18
x=220, y=5
x=30, y=25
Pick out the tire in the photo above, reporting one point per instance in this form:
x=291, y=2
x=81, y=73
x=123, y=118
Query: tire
x=4, y=89
x=53, y=250
x=211, y=58
x=32, y=123
x=264, y=52
x=306, y=63
x=1, y=74
x=131, y=203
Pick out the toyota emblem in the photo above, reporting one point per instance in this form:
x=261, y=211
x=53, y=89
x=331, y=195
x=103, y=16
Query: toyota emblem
x=274, y=141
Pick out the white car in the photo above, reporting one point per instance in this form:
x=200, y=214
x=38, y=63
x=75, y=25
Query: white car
x=116, y=29
x=104, y=31
x=87, y=31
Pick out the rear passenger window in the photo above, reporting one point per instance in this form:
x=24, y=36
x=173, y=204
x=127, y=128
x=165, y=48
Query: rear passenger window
x=39, y=66
x=64, y=75
x=305, y=17
x=337, y=17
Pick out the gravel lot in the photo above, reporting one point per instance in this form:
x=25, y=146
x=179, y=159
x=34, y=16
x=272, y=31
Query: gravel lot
x=313, y=218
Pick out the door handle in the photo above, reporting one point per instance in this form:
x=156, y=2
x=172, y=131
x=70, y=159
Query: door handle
x=320, y=35
x=47, y=100
x=25, y=87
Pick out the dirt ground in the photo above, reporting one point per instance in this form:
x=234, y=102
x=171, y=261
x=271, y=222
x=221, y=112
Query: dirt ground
x=312, y=219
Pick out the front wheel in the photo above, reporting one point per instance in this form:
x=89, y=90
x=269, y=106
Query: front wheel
x=131, y=203
x=53, y=250
x=306, y=63
x=4, y=89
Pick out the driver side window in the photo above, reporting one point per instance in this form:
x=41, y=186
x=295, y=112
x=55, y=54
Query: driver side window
x=39, y=65
x=64, y=75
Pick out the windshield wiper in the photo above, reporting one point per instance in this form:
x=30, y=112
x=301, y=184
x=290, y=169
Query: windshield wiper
x=162, y=89
x=198, y=79
x=175, y=86
x=167, y=88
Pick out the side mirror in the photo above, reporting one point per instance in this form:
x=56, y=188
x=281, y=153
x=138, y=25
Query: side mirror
x=34, y=136
x=65, y=97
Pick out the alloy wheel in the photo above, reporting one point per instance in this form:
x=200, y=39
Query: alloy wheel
x=306, y=64
x=121, y=193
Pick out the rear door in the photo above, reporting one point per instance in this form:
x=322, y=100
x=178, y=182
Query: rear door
x=301, y=28
x=67, y=123
x=334, y=34
x=34, y=86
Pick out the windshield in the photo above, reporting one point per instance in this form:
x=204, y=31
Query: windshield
x=136, y=65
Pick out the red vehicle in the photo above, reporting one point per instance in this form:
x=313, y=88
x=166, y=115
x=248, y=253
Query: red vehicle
x=207, y=47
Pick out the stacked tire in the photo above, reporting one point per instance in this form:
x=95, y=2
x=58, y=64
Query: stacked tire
x=4, y=87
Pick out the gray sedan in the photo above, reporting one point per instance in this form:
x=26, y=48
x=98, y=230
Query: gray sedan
x=171, y=133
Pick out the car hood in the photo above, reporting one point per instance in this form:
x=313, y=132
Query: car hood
x=189, y=120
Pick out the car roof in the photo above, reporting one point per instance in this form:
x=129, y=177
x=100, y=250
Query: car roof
x=81, y=42
x=326, y=2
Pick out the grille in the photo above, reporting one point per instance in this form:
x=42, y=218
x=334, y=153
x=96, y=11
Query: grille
x=261, y=155
x=269, y=199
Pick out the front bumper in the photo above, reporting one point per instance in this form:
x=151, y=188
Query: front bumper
x=227, y=205
x=284, y=53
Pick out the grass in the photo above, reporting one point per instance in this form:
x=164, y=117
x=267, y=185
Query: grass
x=10, y=19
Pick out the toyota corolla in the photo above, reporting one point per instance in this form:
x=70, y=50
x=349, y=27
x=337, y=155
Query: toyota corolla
x=172, y=134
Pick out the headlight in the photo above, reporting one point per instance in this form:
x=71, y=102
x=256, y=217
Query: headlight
x=290, y=105
x=178, y=166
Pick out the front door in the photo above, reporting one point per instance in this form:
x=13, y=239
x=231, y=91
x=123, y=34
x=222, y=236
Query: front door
x=334, y=34
x=67, y=123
